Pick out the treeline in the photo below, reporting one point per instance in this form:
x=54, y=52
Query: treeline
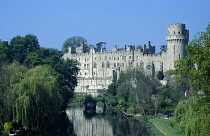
x=136, y=92
x=35, y=82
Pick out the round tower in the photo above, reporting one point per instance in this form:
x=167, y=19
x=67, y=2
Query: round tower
x=177, y=39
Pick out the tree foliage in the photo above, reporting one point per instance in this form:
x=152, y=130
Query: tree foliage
x=29, y=99
x=35, y=83
x=20, y=47
x=193, y=115
x=133, y=91
x=196, y=66
x=73, y=42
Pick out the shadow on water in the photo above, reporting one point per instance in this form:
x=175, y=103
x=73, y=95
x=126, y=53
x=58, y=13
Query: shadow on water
x=57, y=126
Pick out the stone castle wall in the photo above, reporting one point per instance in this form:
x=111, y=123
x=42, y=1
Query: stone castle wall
x=97, y=67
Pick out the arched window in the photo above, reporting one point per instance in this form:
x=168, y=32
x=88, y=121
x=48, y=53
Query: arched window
x=107, y=64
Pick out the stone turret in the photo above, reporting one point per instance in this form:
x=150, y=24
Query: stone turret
x=176, y=39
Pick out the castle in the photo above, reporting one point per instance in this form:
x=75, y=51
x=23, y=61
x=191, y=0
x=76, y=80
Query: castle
x=98, y=65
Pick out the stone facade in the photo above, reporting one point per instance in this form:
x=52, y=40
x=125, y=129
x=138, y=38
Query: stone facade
x=98, y=65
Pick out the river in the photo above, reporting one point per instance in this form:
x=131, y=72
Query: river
x=110, y=124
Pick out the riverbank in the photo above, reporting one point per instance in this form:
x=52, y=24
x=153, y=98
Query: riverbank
x=163, y=125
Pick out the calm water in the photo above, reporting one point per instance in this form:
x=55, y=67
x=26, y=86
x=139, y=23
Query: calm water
x=80, y=123
x=109, y=124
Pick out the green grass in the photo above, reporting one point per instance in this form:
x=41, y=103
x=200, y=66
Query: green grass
x=163, y=125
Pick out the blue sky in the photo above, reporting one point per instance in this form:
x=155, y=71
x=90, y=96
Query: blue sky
x=116, y=22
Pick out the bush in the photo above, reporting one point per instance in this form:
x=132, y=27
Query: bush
x=8, y=126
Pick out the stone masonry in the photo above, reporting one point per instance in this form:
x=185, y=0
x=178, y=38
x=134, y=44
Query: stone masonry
x=98, y=65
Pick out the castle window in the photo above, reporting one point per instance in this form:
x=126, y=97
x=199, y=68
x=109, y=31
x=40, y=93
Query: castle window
x=107, y=64
x=129, y=57
x=95, y=58
x=118, y=58
x=94, y=65
x=114, y=64
x=118, y=64
x=179, y=32
x=122, y=64
x=114, y=58
x=174, y=32
x=85, y=59
x=102, y=66
x=87, y=66
x=84, y=66
x=105, y=57
x=179, y=56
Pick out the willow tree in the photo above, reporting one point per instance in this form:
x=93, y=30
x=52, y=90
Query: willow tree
x=9, y=76
x=196, y=68
x=36, y=98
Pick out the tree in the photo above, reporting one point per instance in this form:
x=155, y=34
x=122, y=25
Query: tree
x=20, y=47
x=68, y=71
x=36, y=97
x=73, y=42
x=134, y=91
x=196, y=69
x=163, y=48
x=4, y=51
x=42, y=56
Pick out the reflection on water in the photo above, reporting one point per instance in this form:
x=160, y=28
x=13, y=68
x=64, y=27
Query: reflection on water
x=91, y=124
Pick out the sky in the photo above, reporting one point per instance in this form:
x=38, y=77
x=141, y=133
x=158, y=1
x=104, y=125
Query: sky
x=116, y=22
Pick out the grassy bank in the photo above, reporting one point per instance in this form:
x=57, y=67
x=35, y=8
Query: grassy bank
x=163, y=125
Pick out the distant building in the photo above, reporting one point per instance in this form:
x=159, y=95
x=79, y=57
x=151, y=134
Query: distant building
x=98, y=65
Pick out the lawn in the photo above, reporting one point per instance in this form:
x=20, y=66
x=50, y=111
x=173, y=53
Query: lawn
x=165, y=128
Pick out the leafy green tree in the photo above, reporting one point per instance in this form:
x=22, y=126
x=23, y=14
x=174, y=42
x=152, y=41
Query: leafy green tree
x=196, y=66
x=134, y=90
x=9, y=76
x=168, y=98
x=20, y=47
x=68, y=71
x=43, y=56
x=73, y=42
x=112, y=88
x=193, y=115
x=4, y=52
x=36, y=97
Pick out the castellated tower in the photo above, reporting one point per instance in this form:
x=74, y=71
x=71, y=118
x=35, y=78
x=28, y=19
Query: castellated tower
x=177, y=39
